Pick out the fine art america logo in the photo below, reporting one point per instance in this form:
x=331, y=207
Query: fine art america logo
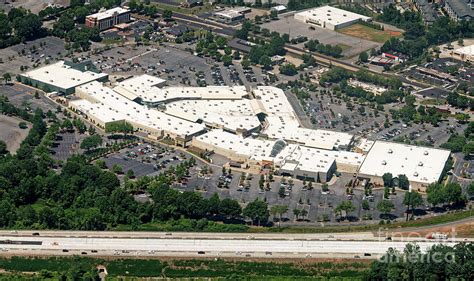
x=419, y=247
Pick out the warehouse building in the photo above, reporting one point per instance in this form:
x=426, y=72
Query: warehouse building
x=330, y=17
x=107, y=19
x=62, y=77
x=421, y=165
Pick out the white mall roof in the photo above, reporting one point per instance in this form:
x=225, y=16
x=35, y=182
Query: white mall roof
x=63, y=76
x=331, y=15
x=108, y=13
x=146, y=88
x=109, y=100
x=230, y=114
x=283, y=123
x=306, y=158
x=419, y=164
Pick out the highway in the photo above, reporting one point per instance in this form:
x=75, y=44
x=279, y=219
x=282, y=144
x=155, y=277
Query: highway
x=230, y=245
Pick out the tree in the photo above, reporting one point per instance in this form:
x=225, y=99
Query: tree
x=454, y=262
x=385, y=207
x=7, y=78
x=278, y=210
x=274, y=14
x=245, y=63
x=265, y=62
x=281, y=192
x=345, y=206
x=453, y=193
x=296, y=213
x=130, y=174
x=118, y=127
x=288, y=69
x=387, y=179
x=470, y=190
x=412, y=200
x=257, y=211
x=67, y=124
x=229, y=208
x=117, y=169
x=167, y=14
x=3, y=148
x=435, y=192
x=91, y=142
x=28, y=27
x=403, y=182
x=227, y=60
x=365, y=204
x=363, y=57
x=303, y=213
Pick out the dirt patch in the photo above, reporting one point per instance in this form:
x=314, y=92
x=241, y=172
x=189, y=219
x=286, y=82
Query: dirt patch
x=368, y=33
x=34, y=5
x=11, y=133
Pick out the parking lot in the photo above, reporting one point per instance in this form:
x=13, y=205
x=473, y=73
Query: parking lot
x=351, y=46
x=22, y=96
x=66, y=144
x=31, y=54
x=208, y=179
x=145, y=159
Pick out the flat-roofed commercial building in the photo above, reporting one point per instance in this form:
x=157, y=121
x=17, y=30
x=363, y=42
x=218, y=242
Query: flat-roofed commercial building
x=288, y=159
x=330, y=17
x=234, y=116
x=282, y=122
x=232, y=15
x=104, y=105
x=106, y=19
x=421, y=165
x=62, y=76
x=149, y=90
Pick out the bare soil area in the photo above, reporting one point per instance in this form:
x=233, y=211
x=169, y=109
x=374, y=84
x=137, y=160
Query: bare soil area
x=11, y=133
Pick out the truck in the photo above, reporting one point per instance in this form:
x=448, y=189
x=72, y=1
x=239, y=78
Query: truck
x=437, y=236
